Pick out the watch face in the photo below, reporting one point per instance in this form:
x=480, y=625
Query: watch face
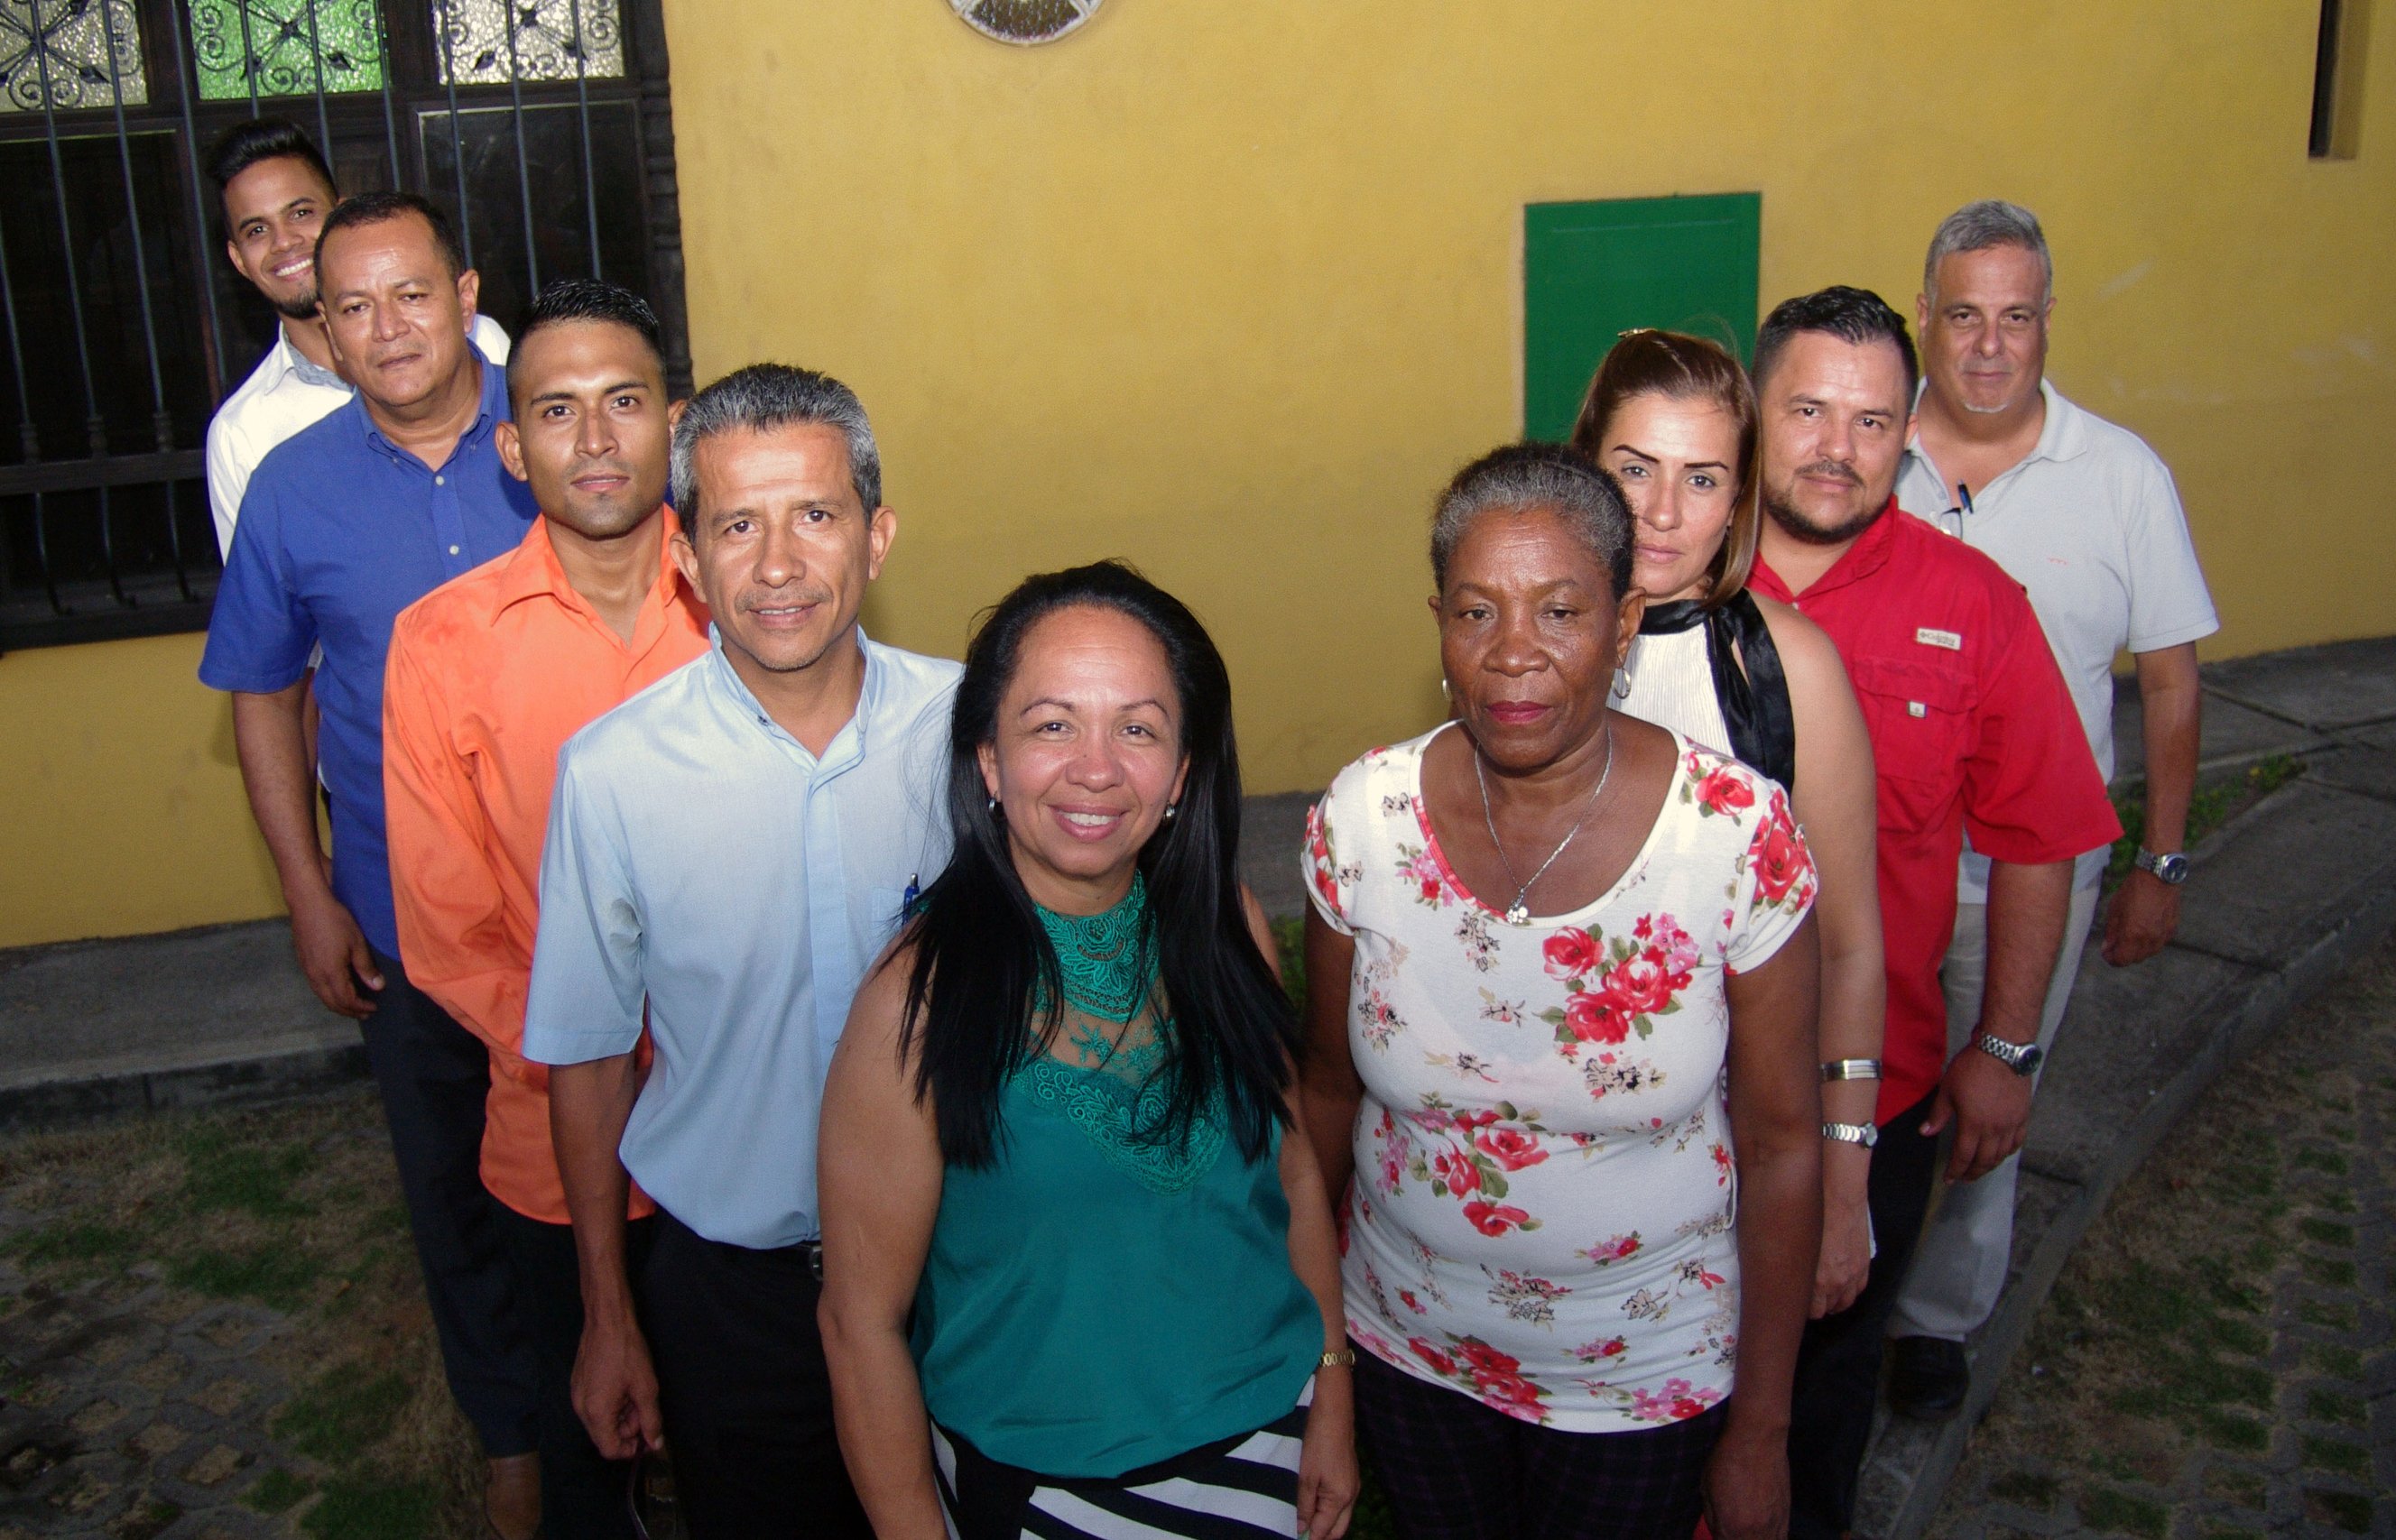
x=2031, y=1057
x=2172, y=869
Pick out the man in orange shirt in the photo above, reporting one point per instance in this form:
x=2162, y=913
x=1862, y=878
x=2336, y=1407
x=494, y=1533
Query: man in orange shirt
x=489, y=675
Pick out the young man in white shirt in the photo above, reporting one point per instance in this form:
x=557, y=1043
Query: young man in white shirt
x=2084, y=516
x=276, y=191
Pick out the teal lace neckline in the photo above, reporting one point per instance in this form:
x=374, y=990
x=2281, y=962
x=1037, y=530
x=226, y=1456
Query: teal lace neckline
x=1107, y=968
x=1112, y=1086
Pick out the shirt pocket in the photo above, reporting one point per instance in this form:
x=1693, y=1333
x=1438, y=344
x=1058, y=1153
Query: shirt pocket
x=1917, y=712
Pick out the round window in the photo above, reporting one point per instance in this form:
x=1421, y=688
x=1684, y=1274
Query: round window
x=1024, y=21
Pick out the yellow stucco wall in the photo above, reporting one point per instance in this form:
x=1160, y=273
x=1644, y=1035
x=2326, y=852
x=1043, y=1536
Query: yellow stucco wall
x=1230, y=289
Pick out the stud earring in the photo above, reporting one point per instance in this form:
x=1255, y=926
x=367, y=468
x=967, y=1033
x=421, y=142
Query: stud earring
x=994, y=807
x=1171, y=809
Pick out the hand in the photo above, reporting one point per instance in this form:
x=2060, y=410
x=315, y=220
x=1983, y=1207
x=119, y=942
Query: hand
x=333, y=954
x=2139, y=918
x=1327, y=1476
x=1846, y=1261
x=615, y=1390
x=1747, y=1485
x=1989, y=1107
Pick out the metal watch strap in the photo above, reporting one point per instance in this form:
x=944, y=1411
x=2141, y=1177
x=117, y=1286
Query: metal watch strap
x=1854, y=1134
x=2170, y=868
x=1344, y=1359
x=2011, y=1055
x=1851, y=1070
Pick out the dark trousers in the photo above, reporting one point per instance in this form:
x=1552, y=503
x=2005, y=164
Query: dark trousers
x=582, y=1493
x=744, y=1390
x=1838, y=1363
x=1456, y=1469
x=434, y=1076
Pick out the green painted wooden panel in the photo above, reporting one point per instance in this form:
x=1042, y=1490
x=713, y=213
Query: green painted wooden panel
x=1591, y=270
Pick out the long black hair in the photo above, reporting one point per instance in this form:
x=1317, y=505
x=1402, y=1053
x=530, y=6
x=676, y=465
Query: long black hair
x=984, y=968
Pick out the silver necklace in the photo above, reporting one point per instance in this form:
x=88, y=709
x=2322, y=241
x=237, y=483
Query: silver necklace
x=1517, y=913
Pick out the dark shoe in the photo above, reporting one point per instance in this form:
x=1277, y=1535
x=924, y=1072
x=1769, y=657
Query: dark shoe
x=1927, y=1377
x=512, y=1497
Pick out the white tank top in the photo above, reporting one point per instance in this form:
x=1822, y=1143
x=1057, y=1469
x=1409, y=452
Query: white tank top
x=1673, y=685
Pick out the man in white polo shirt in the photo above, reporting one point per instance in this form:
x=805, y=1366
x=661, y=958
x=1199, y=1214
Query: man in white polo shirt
x=2084, y=516
x=276, y=191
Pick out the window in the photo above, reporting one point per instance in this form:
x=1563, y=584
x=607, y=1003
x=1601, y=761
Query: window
x=542, y=126
x=2337, y=80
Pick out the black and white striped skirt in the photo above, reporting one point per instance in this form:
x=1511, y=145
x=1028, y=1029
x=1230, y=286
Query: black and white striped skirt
x=1240, y=1488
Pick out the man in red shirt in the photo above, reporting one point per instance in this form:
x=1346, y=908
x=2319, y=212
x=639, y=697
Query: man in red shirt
x=488, y=676
x=1970, y=726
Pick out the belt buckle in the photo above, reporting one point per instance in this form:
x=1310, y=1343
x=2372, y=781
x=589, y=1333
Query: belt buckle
x=815, y=1259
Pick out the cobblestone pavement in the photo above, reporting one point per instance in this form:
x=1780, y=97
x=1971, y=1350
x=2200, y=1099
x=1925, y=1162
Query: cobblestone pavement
x=211, y=1329
x=2216, y=1359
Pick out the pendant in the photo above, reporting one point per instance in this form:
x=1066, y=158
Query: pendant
x=1518, y=915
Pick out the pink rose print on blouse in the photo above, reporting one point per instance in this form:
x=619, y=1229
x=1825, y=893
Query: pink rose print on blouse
x=1391, y=1162
x=1617, y=1249
x=1722, y=1165
x=1618, y=987
x=1494, y=1376
x=1680, y=1401
x=1320, y=868
x=1468, y=1155
x=1721, y=794
x=1601, y=1349
x=1419, y=872
x=1783, y=866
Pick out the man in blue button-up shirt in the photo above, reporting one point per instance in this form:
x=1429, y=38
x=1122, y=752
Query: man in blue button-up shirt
x=728, y=853
x=343, y=525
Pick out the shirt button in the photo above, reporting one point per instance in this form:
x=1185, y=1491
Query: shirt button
x=440, y=481
x=453, y=551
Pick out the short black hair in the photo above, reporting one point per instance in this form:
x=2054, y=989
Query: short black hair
x=589, y=300
x=1855, y=315
x=244, y=144
x=368, y=209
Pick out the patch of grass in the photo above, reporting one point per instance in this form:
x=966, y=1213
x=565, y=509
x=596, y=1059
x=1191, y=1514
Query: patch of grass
x=221, y=1173
x=2329, y=1359
x=2243, y=1487
x=2336, y=1455
x=2328, y=1161
x=2225, y=1431
x=2027, y=1488
x=2110, y=1508
x=2213, y=804
x=2328, y=1272
x=276, y=1276
x=365, y=1508
x=2326, y=1232
x=2335, y=1202
x=2349, y=1510
x=2336, y=1406
x=146, y=1519
x=71, y=1243
x=276, y=1492
x=344, y=1412
x=1289, y=938
x=2315, y=1312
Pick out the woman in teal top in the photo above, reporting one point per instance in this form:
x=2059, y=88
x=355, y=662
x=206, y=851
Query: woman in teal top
x=1057, y=1133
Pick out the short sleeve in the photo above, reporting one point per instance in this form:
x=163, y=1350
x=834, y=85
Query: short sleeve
x=260, y=634
x=1325, y=886
x=586, y=998
x=2031, y=793
x=2169, y=603
x=228, y=479
x=1776, y=887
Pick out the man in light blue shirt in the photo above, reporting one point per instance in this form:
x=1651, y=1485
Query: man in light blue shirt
x=728, y=853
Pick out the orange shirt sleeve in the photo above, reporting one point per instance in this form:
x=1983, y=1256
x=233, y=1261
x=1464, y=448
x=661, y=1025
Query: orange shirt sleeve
x=445, y=857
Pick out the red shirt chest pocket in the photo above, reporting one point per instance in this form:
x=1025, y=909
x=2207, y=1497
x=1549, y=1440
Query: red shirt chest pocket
x=1918, y=712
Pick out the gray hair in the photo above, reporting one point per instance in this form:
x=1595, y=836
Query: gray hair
x=1977, y=227
x=1552, y=477
x=772, y=395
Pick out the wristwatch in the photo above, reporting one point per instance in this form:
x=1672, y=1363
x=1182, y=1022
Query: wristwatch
x=2022, y=1058
x=1854, y=1134
x=2171, y=871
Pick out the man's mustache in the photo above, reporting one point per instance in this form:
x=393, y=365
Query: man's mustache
x=1832, y=470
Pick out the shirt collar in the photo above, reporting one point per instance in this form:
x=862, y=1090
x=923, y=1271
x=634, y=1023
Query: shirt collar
x=287, y=359
x=2062, y=434
x=1859, y=560
x=848, y=745
x=532, y=571
x=492, y=410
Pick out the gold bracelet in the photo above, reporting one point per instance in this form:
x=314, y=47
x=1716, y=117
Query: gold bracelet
x=1344, y=1359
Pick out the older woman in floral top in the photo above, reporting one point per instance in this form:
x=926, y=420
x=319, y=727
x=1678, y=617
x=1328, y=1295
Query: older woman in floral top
x=1561, y=1022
